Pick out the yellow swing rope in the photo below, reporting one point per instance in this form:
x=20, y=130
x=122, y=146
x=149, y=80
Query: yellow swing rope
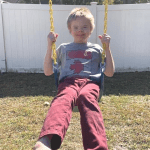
x=54, y=56
x=52, y=30
x=105, y=29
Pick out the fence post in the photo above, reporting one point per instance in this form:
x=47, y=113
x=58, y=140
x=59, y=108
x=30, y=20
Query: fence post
x=94, y=12
x=2, y=50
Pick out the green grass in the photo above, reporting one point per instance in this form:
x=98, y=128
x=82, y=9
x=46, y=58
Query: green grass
x=125, y=106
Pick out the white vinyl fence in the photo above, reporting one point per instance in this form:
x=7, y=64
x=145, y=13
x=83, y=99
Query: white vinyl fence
x=24, y=29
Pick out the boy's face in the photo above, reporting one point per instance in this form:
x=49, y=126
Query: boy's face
x=80, y=29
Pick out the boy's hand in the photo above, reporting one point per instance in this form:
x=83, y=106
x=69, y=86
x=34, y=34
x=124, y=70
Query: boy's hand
x=52, y=37
x=105, y=39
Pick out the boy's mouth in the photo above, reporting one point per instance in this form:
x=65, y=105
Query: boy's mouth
x=80, y=34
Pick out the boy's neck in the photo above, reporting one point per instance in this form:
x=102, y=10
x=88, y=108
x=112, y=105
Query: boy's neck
x=80, y=43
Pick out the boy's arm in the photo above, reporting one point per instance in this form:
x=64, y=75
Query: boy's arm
x=110, y=66
x=48, y=67
x=48, y=62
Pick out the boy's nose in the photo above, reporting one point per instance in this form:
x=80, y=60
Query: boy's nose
x=80, y=30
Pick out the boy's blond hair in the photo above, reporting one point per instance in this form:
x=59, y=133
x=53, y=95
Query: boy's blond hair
x=80, y=12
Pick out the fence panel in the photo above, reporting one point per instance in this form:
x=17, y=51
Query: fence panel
x=129, y=28
x=26, y=27
x=2, y=51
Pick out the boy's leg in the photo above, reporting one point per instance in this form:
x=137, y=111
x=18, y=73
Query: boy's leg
x=59, y=114
x=93, y=131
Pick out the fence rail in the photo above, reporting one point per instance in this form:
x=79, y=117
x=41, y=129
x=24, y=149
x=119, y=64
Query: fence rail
x=24, y=29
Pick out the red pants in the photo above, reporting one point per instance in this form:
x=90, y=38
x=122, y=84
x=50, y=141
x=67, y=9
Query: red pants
x=83, y=93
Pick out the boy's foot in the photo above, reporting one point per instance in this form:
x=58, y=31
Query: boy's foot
x=42, y=144
x=48, y=142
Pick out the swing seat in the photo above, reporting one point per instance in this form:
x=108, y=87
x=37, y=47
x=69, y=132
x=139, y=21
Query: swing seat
x=55, y=70
x=99, y=78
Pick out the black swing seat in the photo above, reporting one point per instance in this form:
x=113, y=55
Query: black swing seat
x=99, y=78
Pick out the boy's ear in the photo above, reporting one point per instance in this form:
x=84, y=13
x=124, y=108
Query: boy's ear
x=91, y=30
x=70, y=31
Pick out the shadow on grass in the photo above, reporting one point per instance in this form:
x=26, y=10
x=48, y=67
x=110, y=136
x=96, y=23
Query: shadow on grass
x=25, y=84
x=131, y=83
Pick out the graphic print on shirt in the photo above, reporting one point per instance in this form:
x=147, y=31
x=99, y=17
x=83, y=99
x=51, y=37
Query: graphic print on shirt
x=77, y=56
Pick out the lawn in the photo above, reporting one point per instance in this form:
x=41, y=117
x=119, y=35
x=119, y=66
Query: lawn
x=125, y=106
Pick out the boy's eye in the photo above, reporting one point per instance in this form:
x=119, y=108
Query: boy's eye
x=75, y=28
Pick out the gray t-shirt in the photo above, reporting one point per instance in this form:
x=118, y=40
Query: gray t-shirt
x=78, y=59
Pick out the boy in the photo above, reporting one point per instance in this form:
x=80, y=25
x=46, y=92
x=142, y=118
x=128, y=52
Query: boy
x=77, y=61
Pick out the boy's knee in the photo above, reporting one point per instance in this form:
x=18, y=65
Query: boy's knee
x=82, y=99
x=88, y=102
x=87, y=97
